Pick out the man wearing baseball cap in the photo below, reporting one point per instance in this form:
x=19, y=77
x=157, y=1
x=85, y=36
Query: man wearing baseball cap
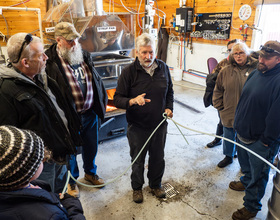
x=257, y=123
x=73, y=69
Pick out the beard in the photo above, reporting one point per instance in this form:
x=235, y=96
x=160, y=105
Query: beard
x=147, y=62
x=261, y=67
x=73, y=56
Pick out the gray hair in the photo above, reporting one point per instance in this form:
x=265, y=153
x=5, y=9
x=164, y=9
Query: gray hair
x=144, y=40
x=14, y=44
x=241, y=46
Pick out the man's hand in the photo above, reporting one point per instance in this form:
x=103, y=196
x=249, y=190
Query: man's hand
x=139, y=100
x=168, y=112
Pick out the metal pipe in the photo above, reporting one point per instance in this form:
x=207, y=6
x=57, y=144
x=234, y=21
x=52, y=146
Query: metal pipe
x=38, y=10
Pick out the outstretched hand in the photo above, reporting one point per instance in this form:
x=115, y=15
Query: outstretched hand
x=139, y=100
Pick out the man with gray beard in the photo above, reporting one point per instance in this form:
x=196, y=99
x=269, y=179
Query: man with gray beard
x=74, y=71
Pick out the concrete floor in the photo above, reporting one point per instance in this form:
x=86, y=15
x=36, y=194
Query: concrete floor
x=191, y=169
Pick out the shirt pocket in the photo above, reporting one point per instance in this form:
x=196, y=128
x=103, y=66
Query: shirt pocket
x=30, y=101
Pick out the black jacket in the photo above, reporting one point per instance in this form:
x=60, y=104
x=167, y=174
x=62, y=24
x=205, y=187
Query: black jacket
x=159, y=88
x=210, y=85
x=26, y=105
x=29, y=204
x=55, y=70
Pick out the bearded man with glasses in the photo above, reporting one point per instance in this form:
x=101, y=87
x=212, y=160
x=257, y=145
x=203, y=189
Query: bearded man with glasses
x=257, y=123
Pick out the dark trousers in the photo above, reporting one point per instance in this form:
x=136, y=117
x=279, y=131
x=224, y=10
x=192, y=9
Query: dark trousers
x=156, y=164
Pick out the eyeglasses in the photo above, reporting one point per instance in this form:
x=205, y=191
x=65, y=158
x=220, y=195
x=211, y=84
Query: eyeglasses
x=28, y=38
x=268, y=49
x=69, y=41
x=239, y=54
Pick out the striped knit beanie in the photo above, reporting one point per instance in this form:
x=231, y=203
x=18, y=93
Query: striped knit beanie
x=21, y=153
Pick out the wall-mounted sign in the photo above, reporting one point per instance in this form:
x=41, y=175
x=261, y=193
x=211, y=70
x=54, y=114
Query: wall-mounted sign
x=49, y=29
x=106, y=29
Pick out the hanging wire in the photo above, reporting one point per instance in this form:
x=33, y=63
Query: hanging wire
x=113, y=7
x=7, y=27
x=131, y=11
x=158, y=15
x=138, y=16
x=20, y=3
x=161, y=12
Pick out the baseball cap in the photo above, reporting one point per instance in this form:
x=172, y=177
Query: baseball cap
x=66, y=30
x=270, y=48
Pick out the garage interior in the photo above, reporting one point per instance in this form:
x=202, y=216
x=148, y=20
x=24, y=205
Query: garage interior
x=197, y=30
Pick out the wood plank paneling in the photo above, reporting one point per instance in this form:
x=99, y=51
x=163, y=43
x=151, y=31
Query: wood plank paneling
x=21, y=21
x=28, y=22
x=201, y=6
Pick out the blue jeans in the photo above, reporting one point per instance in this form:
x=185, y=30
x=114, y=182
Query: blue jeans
x=89, y=136
x=55, y=175
x=228, y=147
x=256, y=172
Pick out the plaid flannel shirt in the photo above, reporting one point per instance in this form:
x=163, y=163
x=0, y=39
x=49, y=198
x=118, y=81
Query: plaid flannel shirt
x=82, y=104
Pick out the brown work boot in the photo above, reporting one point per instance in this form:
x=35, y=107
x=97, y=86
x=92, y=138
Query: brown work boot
x=159, y=192
x=243, y=214
x=237, y=186
x=73, y=190
x=138, y=196
x=94, y=179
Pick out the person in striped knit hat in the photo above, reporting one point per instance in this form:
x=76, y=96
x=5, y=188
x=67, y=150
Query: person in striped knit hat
x=22, y=196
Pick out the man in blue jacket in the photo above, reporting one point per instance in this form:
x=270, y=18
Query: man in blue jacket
x=257, y=123
x=145, y=90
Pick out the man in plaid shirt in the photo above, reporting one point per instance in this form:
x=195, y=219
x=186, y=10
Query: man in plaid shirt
x=74, y=71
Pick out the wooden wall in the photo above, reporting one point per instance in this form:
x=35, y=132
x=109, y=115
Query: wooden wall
x=20, y=21
x=200, y=6
x=25, y=21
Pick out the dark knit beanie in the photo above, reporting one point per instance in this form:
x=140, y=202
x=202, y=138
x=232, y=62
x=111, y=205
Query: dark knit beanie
x=21, y=153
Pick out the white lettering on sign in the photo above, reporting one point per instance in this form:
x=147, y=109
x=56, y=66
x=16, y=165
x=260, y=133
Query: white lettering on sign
x=151, y=2
x=50, y=29
x=105, y=29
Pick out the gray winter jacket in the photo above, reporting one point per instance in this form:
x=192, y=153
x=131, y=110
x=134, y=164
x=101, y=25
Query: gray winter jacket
x=26, y=104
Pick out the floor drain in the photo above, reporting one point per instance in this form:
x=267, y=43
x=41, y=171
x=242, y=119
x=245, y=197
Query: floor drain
x=169, y=190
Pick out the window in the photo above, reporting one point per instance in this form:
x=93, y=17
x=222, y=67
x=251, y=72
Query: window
x=268, y=22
